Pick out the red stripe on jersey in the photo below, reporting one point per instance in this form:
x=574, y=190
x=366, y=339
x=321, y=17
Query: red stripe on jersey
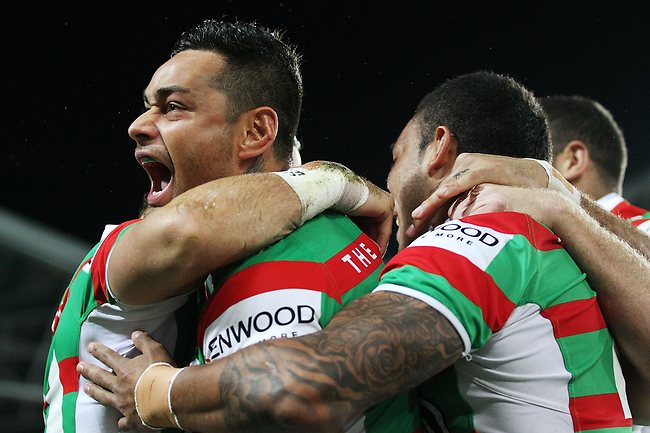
x=477, y=285
x=68, y=374
x=600, y=411
x=520, y=224
x=638, y=222
x=99, y=260
x=575, y=317
x=356, y=262
x=626, y=210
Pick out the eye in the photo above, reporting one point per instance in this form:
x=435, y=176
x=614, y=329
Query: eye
x=171, y=106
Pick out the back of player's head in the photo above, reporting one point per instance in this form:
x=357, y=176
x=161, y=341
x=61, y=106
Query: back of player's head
x=262, y=70
x=573, y=117
x=487, y=113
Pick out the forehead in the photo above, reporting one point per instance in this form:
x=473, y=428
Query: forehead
x=409, y=137
x=192, y=70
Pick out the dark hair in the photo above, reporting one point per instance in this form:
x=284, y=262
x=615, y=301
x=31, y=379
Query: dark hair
x=487, y=113
x=574, y=117
x=261, y=69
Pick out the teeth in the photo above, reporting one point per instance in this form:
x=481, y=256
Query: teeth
x=397, y=221
x=148, y=159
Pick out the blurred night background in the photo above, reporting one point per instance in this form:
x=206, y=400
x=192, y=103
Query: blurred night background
x=73, y=78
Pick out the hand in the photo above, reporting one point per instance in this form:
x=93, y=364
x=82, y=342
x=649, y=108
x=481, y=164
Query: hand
x=541, y=204
x=375, y=216
x=470, y=170
x=116, y=389
x=369, y=206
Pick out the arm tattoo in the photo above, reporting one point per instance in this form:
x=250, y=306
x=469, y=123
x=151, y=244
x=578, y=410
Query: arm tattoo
x=378, y=346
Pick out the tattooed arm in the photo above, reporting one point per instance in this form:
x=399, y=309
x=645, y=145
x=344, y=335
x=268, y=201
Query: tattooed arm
x=378, y=346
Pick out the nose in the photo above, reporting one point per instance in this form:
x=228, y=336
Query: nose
x=143, y=129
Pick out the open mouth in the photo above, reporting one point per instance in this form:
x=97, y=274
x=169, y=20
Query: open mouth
x=161, y=177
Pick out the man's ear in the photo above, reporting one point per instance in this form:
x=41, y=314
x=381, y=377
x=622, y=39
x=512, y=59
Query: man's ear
x=573, y=161
x=258, y=129
x=441, y=150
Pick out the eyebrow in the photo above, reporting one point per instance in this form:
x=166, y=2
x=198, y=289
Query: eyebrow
x=164, y=92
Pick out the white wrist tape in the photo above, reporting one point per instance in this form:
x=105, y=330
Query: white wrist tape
x=152, y=396
x=330, y=185
x=557, y=183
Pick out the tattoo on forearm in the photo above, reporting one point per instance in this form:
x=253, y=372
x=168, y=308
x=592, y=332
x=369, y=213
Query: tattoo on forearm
x=378, y=346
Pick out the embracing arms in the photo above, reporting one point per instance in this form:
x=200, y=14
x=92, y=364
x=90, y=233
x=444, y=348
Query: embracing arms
x=378, y=346
x=174, y=247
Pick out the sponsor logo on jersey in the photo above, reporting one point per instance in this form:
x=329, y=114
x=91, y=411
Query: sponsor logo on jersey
x=263, y=321
x=286, y=313
x=477, y=243
x=465, y=233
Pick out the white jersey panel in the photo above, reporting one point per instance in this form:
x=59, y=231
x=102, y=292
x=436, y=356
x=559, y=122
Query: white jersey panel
x=456, y=236
x=502, y=380
x=55, y=398
x=278, y=314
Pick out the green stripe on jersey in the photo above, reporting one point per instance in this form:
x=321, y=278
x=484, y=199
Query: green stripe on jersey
x=329, y=306
x=436, y=286
x=333, y=231
x=568, y=284
x=519, y=270
x=608, y=430
x=591, y=375
x=511, y=268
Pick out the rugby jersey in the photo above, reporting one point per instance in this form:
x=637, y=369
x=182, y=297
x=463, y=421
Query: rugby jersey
x=293, y=288
x=538, y=356
x=88, y=312
x=622, y=208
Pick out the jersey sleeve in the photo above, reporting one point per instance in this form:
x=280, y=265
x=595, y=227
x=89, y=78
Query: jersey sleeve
x=474, y=271
x=99, y=263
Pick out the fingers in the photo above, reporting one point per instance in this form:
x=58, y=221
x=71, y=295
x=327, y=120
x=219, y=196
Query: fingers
x=97, y=375
x=108, y=356
x=384, y=235
x=100, y=394
x=149, y=347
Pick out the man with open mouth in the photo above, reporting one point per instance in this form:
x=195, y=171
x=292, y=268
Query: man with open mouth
x=218, y=141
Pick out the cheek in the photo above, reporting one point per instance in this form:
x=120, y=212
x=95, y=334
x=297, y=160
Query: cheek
x=412, y=194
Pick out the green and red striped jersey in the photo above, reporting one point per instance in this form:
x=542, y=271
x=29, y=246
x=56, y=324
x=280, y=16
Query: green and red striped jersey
x=622, y=208
x=294, y=288
x=88, y=312
x=538, y=356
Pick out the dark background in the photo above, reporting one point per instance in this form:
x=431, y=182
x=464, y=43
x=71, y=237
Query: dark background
x=73, y=78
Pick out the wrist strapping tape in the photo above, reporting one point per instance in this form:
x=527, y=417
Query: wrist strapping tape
x=329, y=186
x=557, y=183
x=152, y=396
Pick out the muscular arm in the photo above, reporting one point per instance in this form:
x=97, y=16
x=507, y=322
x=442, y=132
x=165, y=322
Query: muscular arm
x=174, y=247
x=618, y=273
x=471, y=169
x=378, y=346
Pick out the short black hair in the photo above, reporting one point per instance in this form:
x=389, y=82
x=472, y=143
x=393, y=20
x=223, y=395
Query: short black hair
x=575, y=117
x=487, y=113
x=262, y=69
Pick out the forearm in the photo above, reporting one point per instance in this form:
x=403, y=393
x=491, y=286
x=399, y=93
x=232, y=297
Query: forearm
x=174, y=247
x=618, y=273
x=377, y=347
x=636, y=238
x=219, y=222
